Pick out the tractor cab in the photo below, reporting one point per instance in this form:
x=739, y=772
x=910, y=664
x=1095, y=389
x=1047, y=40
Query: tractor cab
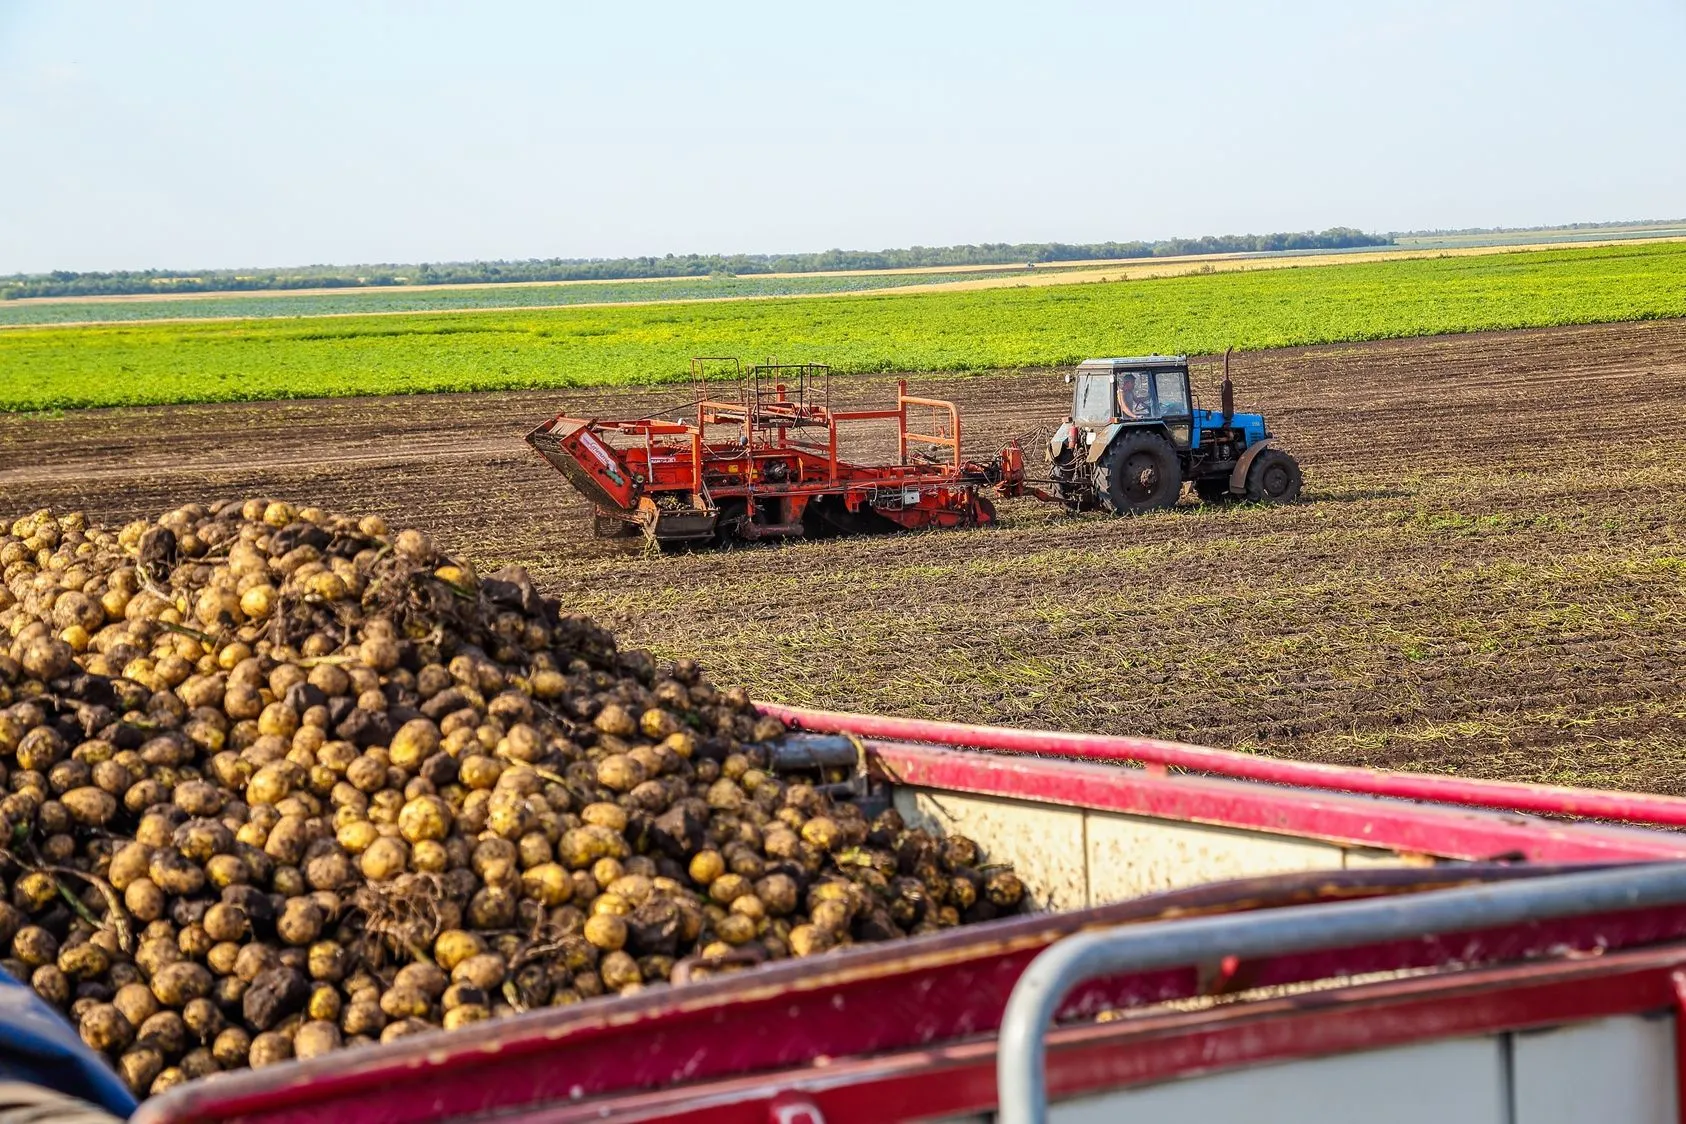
x=1136, y=436
x=1150, y=391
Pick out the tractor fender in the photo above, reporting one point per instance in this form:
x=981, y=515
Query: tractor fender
x=1238, y=475
x=1060, y=444
x=1107, y=434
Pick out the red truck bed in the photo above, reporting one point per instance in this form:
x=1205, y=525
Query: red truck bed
x=907, y=1030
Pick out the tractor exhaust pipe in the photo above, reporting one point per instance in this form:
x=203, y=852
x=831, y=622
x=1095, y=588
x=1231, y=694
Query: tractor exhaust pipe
x=1227, y=392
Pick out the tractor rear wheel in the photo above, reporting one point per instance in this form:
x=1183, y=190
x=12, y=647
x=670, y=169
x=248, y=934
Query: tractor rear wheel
x=1139, y=473
x=1274, y=478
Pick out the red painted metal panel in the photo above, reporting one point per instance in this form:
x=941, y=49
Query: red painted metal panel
x=1097, y=1057
x=1550, y=799
x=858, y=1002
x=1392, y=825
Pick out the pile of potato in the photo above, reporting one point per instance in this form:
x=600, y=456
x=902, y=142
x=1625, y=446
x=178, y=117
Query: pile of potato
x=281, y=780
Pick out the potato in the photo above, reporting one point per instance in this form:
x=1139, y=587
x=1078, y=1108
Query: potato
x=426, y=978
x=315, y=1038
x=810, y=940
x=328, y=961
x=231, y=1047
x=174, y=873
x=104, y=1028
x=177, y=984
x=35, y=946
x=606, y=931
x=619, y=971
x=395, y=1031
x=325, y=1003
x=400, y=1002
x=492, y=907
x=620, y=772
x=226, y=922
x=136, y=1002
x=465, y=1015
x=165, y=1030
x=199, y=1062
x=300, y=922
x=822, y=832
x=274, y=994
x=611, y=816
x=706, y=866
x=46, y=657
x=424, y=818
x=90, y=806
x=456, y=945
x=735, y=929
x=614, y=719
x=323, y=784
x=270, y=1048
x=83, y=961
x=485, y=971
x=724, y=889
x=548, y=884
x=139, y=1068
x=51, y=984
x=362, y=1016
x=204, y=1021
x=384, y=859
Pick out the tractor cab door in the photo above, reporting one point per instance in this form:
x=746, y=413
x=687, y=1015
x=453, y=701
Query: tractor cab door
x=1171, y=405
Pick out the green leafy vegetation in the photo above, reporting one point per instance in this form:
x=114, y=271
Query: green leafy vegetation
x=1030, y=326
x=346, y=302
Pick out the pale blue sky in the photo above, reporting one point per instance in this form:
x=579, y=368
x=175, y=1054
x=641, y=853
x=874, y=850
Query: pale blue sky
x=184, y=135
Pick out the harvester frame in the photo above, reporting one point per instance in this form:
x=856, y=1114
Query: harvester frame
x=766, y=464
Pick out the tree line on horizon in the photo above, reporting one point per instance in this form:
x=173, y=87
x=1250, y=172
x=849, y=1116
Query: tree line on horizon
x=63, y=283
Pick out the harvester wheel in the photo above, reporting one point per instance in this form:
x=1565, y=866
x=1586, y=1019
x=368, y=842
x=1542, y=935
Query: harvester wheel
x=1274, y=478
x=1139, y=473
x=609, y=527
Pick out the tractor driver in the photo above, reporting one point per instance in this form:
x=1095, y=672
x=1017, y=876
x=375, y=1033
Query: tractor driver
x=1132, y=398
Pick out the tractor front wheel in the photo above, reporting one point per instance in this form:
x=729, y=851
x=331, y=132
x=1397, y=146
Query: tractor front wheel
x=1274, y=478
x=1139, y=473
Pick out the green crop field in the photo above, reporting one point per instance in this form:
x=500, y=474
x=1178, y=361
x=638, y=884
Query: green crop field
x=348, y=302
x=1032, y=326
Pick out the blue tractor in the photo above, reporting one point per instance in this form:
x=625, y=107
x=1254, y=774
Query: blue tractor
x=1136, y=435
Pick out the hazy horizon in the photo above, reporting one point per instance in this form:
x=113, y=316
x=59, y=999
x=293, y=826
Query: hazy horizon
x=193, y=136
x=283, y=266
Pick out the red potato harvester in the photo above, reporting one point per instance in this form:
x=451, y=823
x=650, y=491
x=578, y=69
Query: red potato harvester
x=766, y=465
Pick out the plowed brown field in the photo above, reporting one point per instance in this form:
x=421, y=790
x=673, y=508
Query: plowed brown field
x=1488, y=575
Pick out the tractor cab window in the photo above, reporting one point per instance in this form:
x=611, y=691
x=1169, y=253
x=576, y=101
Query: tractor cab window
x=1135, y=395
x=1171, y=397
x=1092, y=402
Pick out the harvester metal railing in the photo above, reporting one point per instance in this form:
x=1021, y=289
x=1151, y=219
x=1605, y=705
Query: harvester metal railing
x=1021, y=1077
x=856, y=415
x=949, y=440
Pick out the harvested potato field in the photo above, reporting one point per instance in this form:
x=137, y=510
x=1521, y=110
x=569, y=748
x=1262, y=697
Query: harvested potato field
x=1487, y=576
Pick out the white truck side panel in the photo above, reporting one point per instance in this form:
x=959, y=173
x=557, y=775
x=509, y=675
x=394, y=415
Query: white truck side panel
x=1609, y=1071
x=1460, y=1081
x=1074, y=858
x=1619, y=1070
